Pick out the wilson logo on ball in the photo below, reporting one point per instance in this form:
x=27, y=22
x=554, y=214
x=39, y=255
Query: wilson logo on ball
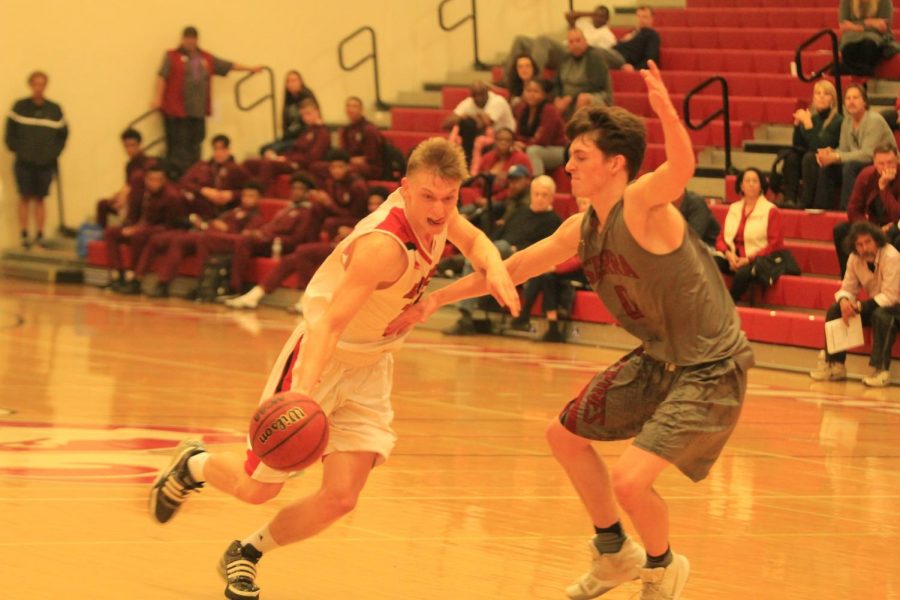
x=282, y=422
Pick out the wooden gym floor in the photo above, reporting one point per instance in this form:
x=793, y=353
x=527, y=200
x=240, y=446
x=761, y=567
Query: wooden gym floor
x=95, y=390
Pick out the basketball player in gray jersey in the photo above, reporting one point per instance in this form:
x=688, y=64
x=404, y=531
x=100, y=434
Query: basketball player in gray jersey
x=679, y=395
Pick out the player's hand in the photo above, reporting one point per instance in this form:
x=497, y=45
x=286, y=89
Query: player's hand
x=656, y=90
x=502, y=288
x=412, y=316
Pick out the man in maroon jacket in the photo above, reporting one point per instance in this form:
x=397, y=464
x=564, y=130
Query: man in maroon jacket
x=153, y=207
x=291, y=226
x=362, y=141
x=875, y=198
x=183, y=94
x=343, y=199
x=312, y=145
x=134, y=176
x=233, y=221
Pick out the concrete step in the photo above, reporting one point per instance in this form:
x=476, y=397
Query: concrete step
x=41, y=271
x=714, y=158
x=421, y=98
x=708, y=187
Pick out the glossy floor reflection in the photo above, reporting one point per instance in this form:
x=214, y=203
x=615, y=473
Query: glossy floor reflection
x=96, y=389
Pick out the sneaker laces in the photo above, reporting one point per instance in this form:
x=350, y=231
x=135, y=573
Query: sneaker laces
x=241, y=569
x=176, y=490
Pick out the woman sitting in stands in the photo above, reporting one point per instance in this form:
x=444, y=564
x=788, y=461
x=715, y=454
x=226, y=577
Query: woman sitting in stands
x=866, y=37
x=540, y=129
x=818, y=126
x=752, y=229
x=295, y=92
x=524, y=70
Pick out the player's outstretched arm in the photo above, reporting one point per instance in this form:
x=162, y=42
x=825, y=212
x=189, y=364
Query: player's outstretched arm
x=534, y=260
x=668, y=181
x=374, y=261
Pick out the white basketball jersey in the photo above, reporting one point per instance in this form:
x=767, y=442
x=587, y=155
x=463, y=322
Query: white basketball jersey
x=365, y=333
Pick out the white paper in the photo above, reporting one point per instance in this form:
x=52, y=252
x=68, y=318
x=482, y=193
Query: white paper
x=840, y=337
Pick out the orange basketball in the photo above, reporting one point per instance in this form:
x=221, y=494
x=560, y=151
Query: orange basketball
x=289, y=432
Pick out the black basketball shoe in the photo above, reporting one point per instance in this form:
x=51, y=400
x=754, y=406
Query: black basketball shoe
x=174, y=483
x=238, y=567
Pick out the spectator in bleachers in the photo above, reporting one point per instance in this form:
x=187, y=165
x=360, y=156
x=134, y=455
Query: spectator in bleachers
x=892, y=115
x=594, y=25
x=540, y=130
x=861, y=132
x=475, y=119
x=875, y=198
x=817, y=127
x=295, y=92
x=874, y=266
x=310, y=146
x=523, y=70
x=342, y=197
x=183, y=94
x=500, y=158
x=636, y=48
x=557, y=290
x=36, y=133
x=137, y=163
x=291, y=226
x=152, y=207
x=303, y=261
x=583, y=77
x=362, y=141
x=212, y=186
x=695, y=211
x=183, y=243
x=865, y=34
x=515, y=182
x=527, y=225
x=752, y=229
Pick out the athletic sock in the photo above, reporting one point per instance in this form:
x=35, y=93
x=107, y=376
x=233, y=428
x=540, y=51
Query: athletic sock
x=195, y=465
x=261, y=541
x=663, y=560
x=609, y=540
x=129, y=275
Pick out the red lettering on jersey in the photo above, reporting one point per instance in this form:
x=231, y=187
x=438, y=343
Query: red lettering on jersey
x=608, y=263
x=631, y=309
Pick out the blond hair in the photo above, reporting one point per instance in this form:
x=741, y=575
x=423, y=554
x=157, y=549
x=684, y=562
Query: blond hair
x=829, y=88
x=544, y=181
x=444, y=158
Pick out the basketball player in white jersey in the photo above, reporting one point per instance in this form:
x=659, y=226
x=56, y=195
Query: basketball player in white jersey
x=341, y=357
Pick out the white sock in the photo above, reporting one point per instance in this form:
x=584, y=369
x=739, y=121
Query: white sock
x=195, y=464
x=262, y=540
x=129, y=275
x=255, y=294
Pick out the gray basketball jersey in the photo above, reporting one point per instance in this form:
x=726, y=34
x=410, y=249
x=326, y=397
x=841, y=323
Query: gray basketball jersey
x=676, y=303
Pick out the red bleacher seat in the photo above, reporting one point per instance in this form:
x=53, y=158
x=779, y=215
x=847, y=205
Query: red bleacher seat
x=797, y=224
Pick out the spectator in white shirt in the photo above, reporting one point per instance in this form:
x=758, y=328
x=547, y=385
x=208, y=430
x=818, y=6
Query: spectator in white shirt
x=594, y=25
x=474, y=120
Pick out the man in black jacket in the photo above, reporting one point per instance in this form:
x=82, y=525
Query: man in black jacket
x=636, y=48
x=36, y=133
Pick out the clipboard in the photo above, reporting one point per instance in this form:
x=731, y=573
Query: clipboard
x=840, y=337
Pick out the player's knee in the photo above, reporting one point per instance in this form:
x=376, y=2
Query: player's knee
x=340, y=502
x=627, y=488
x=561, y=439
x=257, y=494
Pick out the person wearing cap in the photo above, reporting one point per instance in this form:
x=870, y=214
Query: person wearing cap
x=517, y=181
x=183, y=93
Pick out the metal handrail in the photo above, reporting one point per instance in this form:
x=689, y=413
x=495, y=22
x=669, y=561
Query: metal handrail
x=133, y=125
x=834, y=67
x=373, y=55
x=724, y=112
x=270, y=96
x=472, y=16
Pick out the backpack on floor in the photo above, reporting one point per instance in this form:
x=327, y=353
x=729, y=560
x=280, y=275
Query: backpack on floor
x=215, y=276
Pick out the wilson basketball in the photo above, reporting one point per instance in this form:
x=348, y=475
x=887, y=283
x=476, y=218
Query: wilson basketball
x=289, y=432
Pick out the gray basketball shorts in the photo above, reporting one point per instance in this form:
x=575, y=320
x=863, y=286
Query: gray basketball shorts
x=682, y=414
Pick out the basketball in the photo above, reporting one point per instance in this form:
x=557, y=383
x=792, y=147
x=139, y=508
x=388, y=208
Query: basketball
x=289, y=432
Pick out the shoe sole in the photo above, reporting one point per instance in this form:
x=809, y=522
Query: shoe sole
x=180, y=451
x=680, y=583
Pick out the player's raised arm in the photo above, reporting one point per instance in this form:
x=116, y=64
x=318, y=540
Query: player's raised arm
x=668, y=181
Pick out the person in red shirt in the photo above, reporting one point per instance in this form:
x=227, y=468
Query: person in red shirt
x=153, y=207
x=137, y=163
x=342, y=199
x=312, y=145
x=497, y=163
x=540, y=130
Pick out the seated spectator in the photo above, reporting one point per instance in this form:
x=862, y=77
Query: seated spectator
x=697, y=214
x=865, y=34
x=152, y=207
x=341, y=199
x=892, y=115
x=134, y=176
x=303, y=261
x=817, y=127
x=594, y=25
x=295, y=92
x=636, y=48
x=523, y=70
x=181, y=243
x=309, y=146
x=752, y=229
x=291, y=226
x=212, y=186
x=540, y=130
x=478, y=116
x=501, y=157
x=362, y=141
x=527, y=225
x=874, y=266
x=516, y=182
x=583, y=77
x=875, y=198
x=557, y=293
x=861, y=131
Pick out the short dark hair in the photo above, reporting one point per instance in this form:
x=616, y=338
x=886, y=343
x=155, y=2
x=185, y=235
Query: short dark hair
x=613, y=130
x=336, y=154
x=155, y=167
x=644, y=7
x=254, y=185
x=309, y=103
x=763, y=180
x=190, y=31
x=355, y=98
x=379, y=190
x=37, y=74
x=884, y=149
x=131, y=134
x=861, y=228
x=221, y=138
x=304, y=179
x=600, y=7
x=862, y=92
x=504, y=130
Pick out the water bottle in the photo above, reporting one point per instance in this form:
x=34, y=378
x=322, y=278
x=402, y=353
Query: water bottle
x=276, y=248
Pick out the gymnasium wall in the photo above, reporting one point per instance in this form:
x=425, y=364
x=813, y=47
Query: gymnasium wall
x=102, y=56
